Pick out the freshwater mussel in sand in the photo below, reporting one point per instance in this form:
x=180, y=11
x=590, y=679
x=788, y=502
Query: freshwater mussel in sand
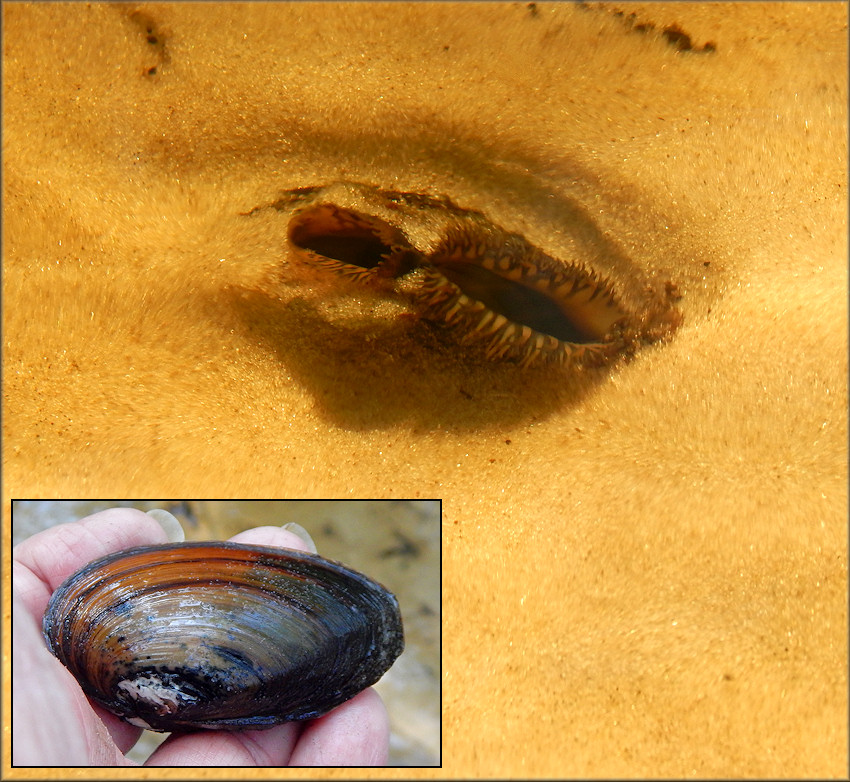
x=221, y=635
x=486, y=285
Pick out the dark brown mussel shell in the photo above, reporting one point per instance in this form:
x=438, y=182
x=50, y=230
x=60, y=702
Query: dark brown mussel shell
x=221, y=635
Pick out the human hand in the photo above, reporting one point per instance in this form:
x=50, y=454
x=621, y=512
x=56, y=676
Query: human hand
x=56, y=725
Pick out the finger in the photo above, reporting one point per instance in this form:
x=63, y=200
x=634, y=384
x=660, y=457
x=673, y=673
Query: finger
x=45, y=560
x=271, y=747
x=353, y=734
x=122, y=733
x=69, y=735
x=37, y=741
x=270, y=536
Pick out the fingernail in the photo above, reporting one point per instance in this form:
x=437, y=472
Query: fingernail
x=169, y=523
x=299, y=531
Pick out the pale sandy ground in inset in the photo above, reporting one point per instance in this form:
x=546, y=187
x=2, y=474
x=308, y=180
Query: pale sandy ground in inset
x=645, y=568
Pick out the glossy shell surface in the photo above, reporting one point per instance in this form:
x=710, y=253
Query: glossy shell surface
x=221, y=635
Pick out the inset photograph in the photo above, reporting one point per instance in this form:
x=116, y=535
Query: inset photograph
x=226, y=633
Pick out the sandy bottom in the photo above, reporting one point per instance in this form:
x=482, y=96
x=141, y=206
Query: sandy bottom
x=644, y=566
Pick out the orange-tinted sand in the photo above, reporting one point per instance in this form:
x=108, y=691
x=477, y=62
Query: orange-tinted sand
x=644, y=569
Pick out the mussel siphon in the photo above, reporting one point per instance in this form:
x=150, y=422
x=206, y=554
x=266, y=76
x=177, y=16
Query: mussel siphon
x=221, y=635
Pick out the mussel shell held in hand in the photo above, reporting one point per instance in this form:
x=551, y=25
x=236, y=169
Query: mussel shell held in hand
x=221, y=635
